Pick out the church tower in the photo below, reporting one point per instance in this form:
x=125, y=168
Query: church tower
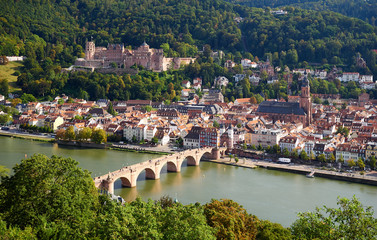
x=305, y=100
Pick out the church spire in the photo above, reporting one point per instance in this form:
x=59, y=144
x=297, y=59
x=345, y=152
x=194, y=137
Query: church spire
x=305, y=100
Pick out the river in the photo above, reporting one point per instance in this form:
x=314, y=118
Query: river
x=271, y=195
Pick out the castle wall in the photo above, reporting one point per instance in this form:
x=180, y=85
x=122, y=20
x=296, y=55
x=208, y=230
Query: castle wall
x=89, y=63
x=150, y=59
x=185, y=61
x=167, y=62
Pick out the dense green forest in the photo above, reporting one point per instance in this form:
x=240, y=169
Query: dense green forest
x=52, y=198
x=51, y=34
x=362, y=9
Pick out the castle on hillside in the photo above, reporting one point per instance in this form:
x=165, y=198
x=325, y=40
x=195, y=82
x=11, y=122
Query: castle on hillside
x=150, y=58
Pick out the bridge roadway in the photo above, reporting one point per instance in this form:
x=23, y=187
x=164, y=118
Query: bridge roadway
x=153, y=167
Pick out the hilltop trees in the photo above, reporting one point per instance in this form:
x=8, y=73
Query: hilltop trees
x=350, y=221
x=3, y=171
x=230, y=220
x=53, y=198
x=52, y=195
x=294, y=39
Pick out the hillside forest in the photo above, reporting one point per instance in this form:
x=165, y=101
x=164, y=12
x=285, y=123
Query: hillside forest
x=52, y=34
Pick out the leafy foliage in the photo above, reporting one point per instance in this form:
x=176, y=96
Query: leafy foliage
x=230, y=220
x=364, y=10
x=3, y=171
x=177, y=26
x=272, y=231
x=350, y=221
x=53, y=198
x=50, y=192
x=99, y=136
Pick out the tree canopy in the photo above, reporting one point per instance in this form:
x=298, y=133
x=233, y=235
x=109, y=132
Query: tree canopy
x=51, y=192
x=51, y=197
x=351, y=220
x=230, y=220
x=181, y=28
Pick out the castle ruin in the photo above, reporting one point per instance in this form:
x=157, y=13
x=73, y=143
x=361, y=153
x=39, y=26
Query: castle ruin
x=150, y=58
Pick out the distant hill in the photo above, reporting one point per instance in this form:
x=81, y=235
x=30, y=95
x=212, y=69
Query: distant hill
x=363, y=9
x=52, y=34
x=182, y=24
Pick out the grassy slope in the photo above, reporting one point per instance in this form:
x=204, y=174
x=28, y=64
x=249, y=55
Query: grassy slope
x=6, y=72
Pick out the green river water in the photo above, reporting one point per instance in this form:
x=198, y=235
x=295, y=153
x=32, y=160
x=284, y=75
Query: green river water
x=272, y=195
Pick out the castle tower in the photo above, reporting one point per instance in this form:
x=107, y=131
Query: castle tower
x=90, y=49
x=305, y=100
x=144, y=47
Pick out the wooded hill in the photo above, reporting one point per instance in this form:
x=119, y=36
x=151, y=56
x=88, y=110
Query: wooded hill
x=52, y=35
x=184, y=24
x=362, y=9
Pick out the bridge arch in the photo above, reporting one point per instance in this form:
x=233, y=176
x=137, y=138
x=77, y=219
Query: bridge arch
x=125, y=182
x=172, y=167
x=206, y=155
x=149, y=173
x=191, y=161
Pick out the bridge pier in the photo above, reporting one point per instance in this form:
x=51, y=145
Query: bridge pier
x=107, y=185
x=111, y=187
x=216, y=153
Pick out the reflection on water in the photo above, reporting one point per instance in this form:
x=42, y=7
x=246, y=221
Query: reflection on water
x=272, y=195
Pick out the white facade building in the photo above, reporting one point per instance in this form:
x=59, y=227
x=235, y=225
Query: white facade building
x=150, y=132
x=134, y=130
x=247, y=63
x=266, y=137
x=366, y=79
x=350, y=76
x=288, y=142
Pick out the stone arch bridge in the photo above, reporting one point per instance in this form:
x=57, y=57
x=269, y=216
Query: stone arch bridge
x=153, y=167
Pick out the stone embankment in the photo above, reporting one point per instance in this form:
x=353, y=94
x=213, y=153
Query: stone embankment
x=27, y=136
x=370, y=179
x=81, y=144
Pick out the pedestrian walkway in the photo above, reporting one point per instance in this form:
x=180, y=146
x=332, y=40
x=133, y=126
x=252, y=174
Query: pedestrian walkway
x=301, y=169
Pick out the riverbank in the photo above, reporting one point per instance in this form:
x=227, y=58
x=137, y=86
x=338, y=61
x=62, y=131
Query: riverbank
x=139, y=150
x=369, y=179
x=161, y=150
x=27, y=136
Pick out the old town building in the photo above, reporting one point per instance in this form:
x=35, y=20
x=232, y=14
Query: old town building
x=290, y=111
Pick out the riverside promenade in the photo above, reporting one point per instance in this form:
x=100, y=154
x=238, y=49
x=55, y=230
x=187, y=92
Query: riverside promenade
x=367, y=178
x=28, y=136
